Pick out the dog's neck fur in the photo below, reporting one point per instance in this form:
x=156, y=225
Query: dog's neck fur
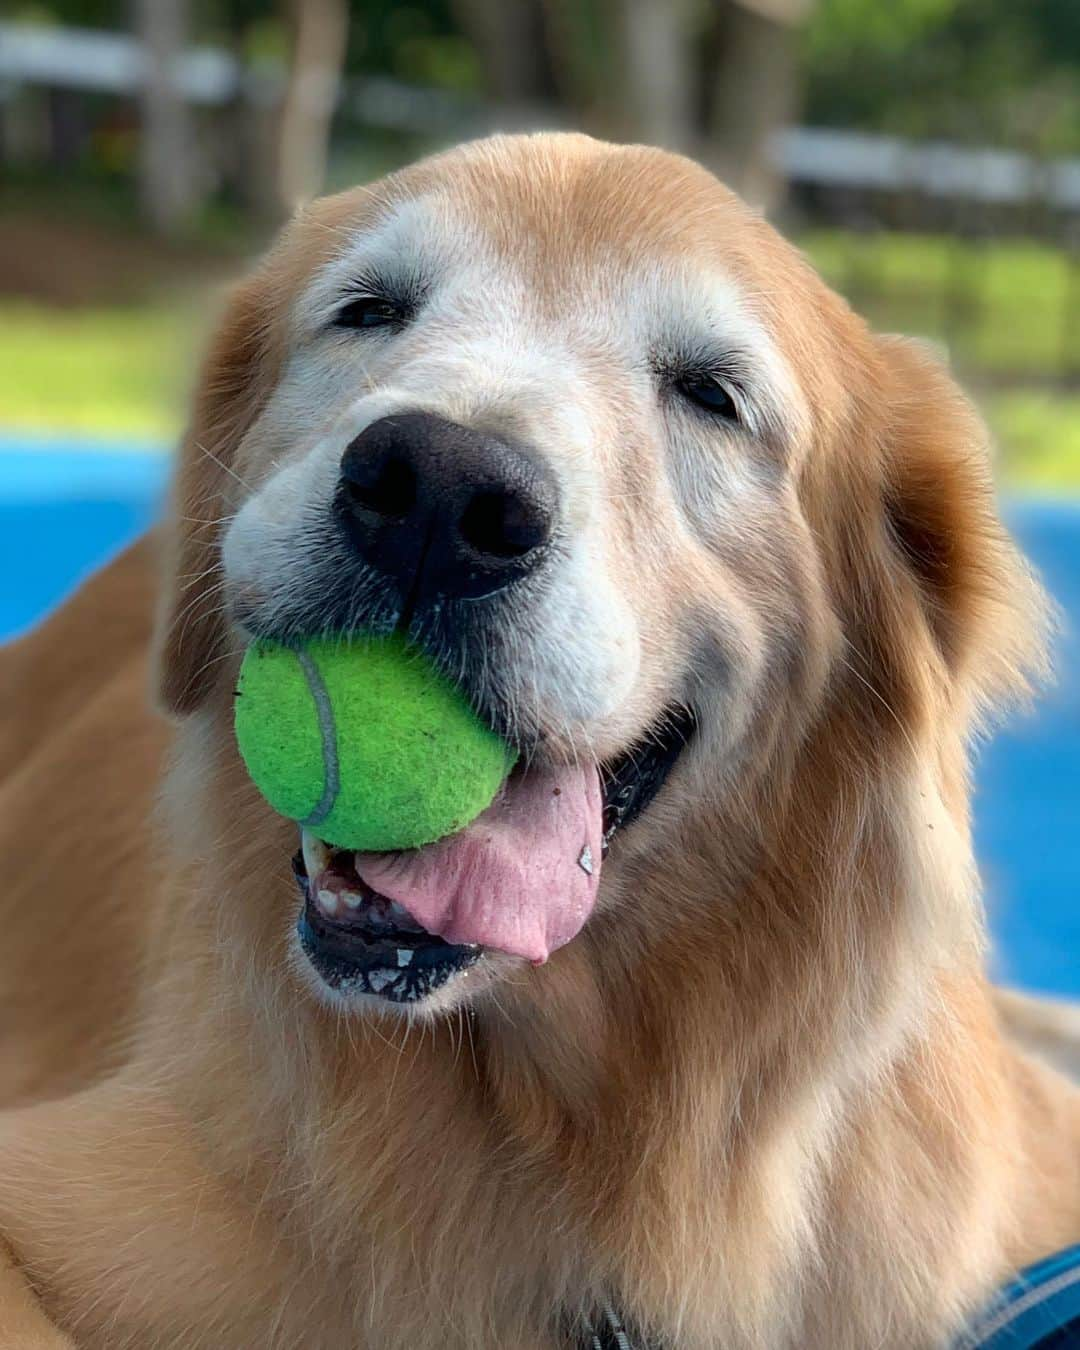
x=690, y=1068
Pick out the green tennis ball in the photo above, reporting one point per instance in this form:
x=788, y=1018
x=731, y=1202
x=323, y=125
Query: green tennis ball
x=363, y=742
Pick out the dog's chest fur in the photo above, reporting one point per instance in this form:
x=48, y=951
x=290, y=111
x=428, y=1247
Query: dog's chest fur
x=422, y=1207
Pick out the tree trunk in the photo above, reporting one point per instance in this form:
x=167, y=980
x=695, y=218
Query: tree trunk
x=755, y=93
x=508, y=39
x=166, y=160
x=319, y=32
x=651, y=92
x=576, y=71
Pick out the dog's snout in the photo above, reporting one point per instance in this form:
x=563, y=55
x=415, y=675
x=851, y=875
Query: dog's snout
x=444, y=509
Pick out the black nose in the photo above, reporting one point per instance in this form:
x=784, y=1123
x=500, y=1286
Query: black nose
x=443, y=509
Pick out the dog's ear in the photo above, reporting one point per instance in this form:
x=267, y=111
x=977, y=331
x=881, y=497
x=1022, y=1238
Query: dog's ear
x=981, y=603
x=234, y=383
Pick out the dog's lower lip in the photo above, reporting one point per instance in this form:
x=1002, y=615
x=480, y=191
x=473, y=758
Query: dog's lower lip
x=401, y=965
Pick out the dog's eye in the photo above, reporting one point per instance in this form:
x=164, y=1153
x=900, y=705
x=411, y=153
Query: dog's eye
x=710, y=394
x=369, y=311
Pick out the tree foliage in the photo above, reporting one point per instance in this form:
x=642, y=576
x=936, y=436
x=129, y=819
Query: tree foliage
x=1006, y=71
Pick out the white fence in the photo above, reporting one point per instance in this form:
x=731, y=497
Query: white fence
x=113, y=63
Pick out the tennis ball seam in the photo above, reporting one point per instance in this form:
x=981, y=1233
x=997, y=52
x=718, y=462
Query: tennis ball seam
x=324, y=711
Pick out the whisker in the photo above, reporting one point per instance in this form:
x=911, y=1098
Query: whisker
x=222, y=465
x=882, y=700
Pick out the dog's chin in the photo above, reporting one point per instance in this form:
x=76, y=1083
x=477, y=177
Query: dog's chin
x=362, y=946
x=360, y=949
x=353, y=973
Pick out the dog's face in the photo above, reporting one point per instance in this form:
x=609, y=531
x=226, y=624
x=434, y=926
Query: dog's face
x=589, y=432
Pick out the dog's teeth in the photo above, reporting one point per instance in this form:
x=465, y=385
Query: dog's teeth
x=379, y=979
x=404, y=956
x=328, y=902
x=316, y=853
x=352, y=900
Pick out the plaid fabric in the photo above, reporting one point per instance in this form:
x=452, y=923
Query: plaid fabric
x=1039, y=1310
x=608, y=1334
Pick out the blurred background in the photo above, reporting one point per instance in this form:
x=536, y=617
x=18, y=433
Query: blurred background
x=924, y=153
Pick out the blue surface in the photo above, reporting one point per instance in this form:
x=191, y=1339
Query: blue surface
x=1027, y=805
x=66, y=507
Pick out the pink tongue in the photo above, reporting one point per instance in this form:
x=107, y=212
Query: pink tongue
x=522, y=878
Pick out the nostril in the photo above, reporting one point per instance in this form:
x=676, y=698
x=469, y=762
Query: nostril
x=387, y=487
x=439, y=509
x=503, y=524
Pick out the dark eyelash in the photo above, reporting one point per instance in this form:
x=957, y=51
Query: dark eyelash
x=405, y=291
x=702, y=361
x=679, y=372
x=720, y=374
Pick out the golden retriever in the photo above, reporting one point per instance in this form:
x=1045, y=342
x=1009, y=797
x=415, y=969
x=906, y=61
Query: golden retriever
x=727, y=567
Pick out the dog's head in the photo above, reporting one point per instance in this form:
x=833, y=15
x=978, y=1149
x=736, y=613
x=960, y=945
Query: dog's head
x=591, y=433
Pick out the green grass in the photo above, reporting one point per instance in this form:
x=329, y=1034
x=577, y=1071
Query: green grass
x=1004, y=307
x=100, y=371
x=1038, y=440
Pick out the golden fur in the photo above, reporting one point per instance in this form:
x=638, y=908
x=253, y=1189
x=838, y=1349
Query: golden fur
x=763, y=1100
